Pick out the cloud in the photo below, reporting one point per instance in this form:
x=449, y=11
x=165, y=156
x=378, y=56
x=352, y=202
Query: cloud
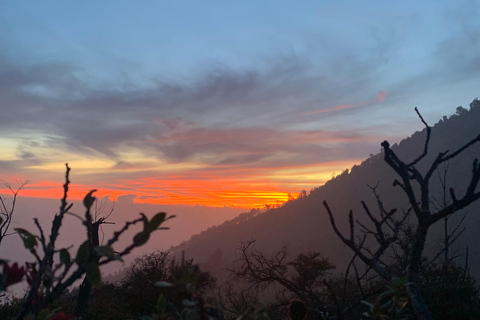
x=56, y=99
x=253, y=144
x=379, y=99
x=381, y=96
x=292, y=112
x=449, y=73
x=336, y=108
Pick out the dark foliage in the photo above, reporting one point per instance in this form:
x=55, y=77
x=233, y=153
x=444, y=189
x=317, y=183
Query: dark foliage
x=138, y=293
x=282, y=278
x=54, y=270
x=297, y=310
x=450, y=292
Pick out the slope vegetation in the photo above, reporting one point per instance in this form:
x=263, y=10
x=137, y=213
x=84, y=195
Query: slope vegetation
x=304, y=225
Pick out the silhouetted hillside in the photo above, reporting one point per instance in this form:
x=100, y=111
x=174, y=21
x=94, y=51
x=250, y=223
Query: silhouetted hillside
x=304, y=225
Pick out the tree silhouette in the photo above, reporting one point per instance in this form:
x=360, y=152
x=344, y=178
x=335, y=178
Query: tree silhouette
x=387, y=228
x=6, y=212
x=48, y=277
x=93, y=227
x=303, y=277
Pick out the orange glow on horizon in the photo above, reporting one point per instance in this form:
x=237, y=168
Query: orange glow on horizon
x=242, y=188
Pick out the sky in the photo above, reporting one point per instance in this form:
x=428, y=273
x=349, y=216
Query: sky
x=228, y=104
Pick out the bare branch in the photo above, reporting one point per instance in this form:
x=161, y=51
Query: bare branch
x=409, y=180
x=427, y=141
x=6, y=212
x=372, y=262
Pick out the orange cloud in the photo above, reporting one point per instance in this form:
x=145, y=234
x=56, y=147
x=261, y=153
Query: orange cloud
x=381, y=96
x=217, y=187
x=54, y=190
x=242, y=167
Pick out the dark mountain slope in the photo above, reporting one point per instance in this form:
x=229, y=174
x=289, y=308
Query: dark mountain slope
x=304, y=225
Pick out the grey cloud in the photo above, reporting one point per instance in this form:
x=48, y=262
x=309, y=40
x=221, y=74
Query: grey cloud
x=18, y=165
x=25, y=154
x=242, y=147
x=10, y=166
x=454, y=63
x=242, y=159
x=124, y=165
x=101, y=120
x=57, y=99
x=459, y=57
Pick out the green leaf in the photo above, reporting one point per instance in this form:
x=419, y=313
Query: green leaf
x=386, y=304
x=83, y=253
x=89, y=199
x=29, y=240
x=156, y=221
x=188, y=303
x=117, y=257
x=163, y=284
x=94, y=275
x=368, y=304
x=161, y=305
x=65, y=257
x=141, y=238
x=105, y=251
x=190, y=288
x=387, y=293
x=262, y=315
x=44, y=314
x=400, y=282
x=1, y=220
x=145, y=222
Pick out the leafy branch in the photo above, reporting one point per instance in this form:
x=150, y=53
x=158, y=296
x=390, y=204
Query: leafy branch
x=48, y=280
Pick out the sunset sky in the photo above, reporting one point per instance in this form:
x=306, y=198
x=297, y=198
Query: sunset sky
x=221, y=103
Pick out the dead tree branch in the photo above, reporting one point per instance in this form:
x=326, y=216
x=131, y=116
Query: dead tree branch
x=409, y=179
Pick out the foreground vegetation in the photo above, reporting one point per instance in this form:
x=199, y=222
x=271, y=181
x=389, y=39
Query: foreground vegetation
x=388, y=277
x=187, y=292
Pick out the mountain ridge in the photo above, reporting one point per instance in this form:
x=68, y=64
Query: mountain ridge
x=304, y=225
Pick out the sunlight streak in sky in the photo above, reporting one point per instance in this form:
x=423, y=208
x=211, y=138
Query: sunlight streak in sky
x=221, y=105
